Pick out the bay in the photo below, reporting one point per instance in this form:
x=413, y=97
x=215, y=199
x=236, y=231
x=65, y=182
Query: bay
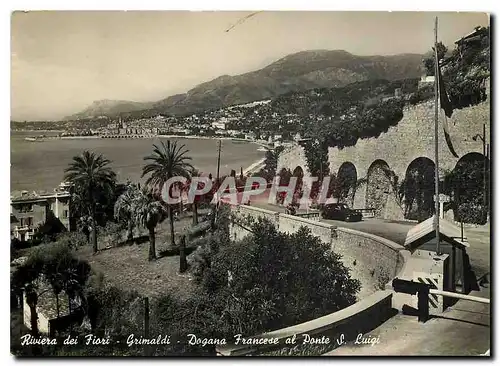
x=40, y=165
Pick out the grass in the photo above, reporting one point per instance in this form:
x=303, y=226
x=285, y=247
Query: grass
x=128, y=268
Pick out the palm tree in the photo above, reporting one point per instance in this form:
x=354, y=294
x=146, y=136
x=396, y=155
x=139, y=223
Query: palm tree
x=124, y=209
x=92, y=177
x=148, y=212
x=197, y=198
x=167, y=161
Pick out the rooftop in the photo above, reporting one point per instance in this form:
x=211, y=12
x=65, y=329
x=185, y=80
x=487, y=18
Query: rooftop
x=20, y=196
x=424, y=231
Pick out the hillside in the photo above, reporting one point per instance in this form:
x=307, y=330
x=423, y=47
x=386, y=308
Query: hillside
x=108, y=108
x=296, y=72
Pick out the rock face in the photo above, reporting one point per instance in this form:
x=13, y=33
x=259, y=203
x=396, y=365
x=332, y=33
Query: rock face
x=296, y=72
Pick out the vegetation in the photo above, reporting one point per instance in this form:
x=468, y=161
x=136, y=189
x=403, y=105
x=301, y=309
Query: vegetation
x=317, y=158
x=465, y=185
x=465, y=71
x=92, y=178
x=124, y=209
x=148, y=212
x=251, y=303
x=268, y=172
x=55, y=264
x=232, y=297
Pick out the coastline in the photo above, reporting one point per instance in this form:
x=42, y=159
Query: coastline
x=262, y=145
x=128, y=137
x=255, y=167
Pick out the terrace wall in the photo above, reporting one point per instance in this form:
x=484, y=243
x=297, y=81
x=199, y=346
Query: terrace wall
x=372, y=260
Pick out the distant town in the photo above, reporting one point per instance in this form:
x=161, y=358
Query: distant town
x=223, y=123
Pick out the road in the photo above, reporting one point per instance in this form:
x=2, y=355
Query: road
x=462, y=330
x=392, y=230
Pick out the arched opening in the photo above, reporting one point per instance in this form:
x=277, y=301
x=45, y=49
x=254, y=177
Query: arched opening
x=347, y=178
x=378, y=187
x=419, y=189
x=468, y=185
x=284, y=180
x=298, y=172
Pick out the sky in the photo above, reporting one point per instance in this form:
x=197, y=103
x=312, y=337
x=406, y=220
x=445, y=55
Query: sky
x=62, y=61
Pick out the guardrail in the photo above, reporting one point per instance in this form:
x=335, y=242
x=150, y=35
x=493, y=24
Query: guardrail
x=366, y=212
x=459, y=296
x=309, y=215
x=360, y=317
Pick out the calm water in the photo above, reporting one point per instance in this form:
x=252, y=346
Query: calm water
x=40, y=165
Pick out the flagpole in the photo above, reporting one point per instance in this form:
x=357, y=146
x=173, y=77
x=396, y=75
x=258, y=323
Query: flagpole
x=436, y=142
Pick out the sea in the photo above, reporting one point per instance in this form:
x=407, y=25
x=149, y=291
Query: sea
x=40, y=165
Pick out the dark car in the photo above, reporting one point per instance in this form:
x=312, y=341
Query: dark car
x=340, y=211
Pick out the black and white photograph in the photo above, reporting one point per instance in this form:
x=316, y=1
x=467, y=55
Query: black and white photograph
x=250, y=183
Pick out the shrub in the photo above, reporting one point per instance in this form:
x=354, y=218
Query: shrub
x=72, y=240
x=270, y=280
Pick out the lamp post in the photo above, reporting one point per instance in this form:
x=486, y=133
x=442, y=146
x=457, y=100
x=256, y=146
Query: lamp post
x=483, y=139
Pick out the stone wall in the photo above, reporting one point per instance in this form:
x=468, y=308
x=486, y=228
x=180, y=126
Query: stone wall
x=291, y=224
x=372, y=260
x=359, y=318
x=292, y=158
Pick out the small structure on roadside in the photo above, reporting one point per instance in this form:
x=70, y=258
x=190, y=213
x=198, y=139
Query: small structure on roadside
x=421, y=242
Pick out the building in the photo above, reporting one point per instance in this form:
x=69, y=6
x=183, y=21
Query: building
x=421, y=241
x=29, y=211
x=53, y=316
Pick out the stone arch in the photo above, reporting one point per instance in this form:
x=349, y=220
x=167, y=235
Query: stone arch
x=298, y=172
x=347, y=178
x=378, y=187
x=419, y=189
x=469, y=187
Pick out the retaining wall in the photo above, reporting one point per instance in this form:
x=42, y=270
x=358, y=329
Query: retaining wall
x=358, y=318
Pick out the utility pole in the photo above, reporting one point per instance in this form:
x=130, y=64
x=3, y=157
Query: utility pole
x=485, y=195
x=218, y=163
x=217, y=182
x=485, y=168
x=146, y=325
x=436, y=141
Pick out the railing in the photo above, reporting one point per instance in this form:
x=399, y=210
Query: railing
x=459, y=296
x=23, y=227
x=366, y=212
x=309, y=215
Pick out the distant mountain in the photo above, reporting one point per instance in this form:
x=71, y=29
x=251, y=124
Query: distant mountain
x=296, y=72
x=108, y=108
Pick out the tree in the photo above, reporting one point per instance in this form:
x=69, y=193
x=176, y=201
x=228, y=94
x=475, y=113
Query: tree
x=148, y=212
x=56, y=264
x=124, y=209
x=92, y=178
x=167, y=161
x=317, y=158
x=429, y=62
x=198, y=198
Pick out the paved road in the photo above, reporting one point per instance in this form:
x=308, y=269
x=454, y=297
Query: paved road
x=392, y=230
x=463, y=329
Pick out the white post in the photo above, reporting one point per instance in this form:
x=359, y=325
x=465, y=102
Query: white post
x=57, y=207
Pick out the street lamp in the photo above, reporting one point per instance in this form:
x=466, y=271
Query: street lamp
x=483, y=139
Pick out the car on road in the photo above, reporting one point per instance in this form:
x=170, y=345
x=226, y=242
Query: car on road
x=340, y=211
